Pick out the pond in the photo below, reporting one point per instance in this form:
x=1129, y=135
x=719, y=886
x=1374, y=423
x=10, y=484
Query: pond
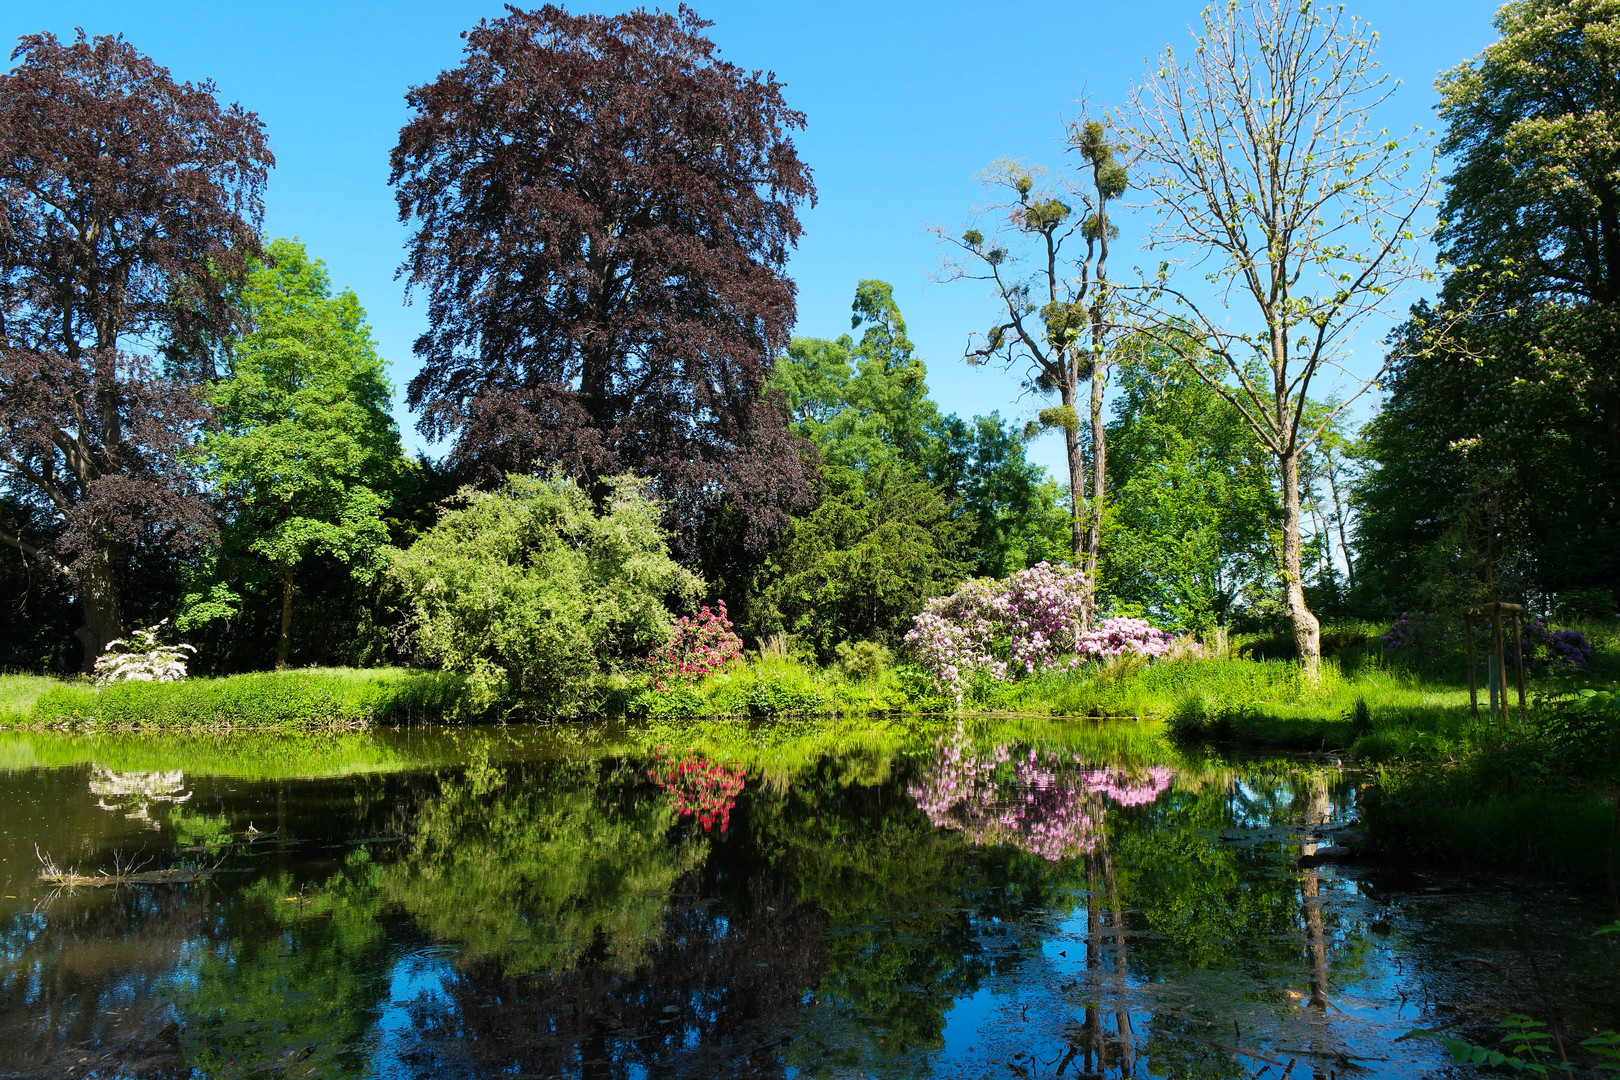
x=795, y=899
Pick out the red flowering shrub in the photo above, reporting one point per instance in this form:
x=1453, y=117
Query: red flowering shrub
x=701, y=644
x=700, y=788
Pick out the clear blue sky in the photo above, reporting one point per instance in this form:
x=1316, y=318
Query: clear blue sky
x=906, y=102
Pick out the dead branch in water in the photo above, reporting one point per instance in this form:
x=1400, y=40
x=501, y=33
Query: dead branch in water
x=122, y=874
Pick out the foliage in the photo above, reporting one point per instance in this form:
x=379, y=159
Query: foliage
x=1528, y=1047
x=1421, y=635
x=130, y=202
x=529, y=592
x=140, y=658
x=909, y=501
x=605, y=326
x=1563, y=650
x=862, y=659
x=1506, y=448
x=876, y=547
x=1193, y=509
x=305, y=451
x=698, y=645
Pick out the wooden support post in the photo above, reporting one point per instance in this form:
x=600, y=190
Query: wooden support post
x=1468, y=648
x=1518, y=654
x=1500, y=674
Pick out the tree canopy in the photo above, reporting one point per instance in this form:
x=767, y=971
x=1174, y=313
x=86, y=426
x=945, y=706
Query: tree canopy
x=128, y=206
x=603, y=211
x=305, y=451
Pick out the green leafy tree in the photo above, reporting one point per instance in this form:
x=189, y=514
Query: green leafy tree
x=879, y=543
x=1017, y=513
x=1193, y=505
x=1055, y=320
x=530, y=591
x=1509, y=442
x=910, y=500
x=1268, y=174
x=305, y=451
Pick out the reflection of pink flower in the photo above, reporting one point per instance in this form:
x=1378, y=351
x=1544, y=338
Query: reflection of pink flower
x=701, y=789
x=1043, y=803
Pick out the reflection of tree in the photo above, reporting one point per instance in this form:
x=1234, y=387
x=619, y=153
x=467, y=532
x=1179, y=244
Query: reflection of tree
x=297, y=1001
x=81, y=979
x=715, y=995
x=907, y=906
x=544, y=870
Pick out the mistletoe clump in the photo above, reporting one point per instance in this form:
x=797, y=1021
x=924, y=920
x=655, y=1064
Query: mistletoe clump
x=699, y=645
x=139, y=658
x=1025, y=624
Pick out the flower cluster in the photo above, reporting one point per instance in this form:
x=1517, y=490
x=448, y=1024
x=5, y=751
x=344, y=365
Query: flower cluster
x=140, y=658
x=1116, y=637
x=1047, y=804
x=700, y=788
x=1545, y=648
x=1416, y=635
x=1028, y=623
x=700, y=644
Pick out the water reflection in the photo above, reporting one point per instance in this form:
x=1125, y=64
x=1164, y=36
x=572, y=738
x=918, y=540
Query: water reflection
x=753, y=902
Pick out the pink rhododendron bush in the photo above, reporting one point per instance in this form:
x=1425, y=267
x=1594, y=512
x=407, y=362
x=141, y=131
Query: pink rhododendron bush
x=1048, y=804
x=698, y=645
x=1022, y=625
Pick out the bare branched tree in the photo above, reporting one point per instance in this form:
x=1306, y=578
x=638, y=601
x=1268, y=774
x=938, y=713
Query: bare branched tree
x=1265, y=162
x=1048, y=264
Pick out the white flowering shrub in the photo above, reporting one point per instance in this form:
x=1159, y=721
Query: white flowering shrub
x=140, y=658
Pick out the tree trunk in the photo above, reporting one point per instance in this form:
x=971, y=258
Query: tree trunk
x=1099, y=487
x=98, y=599
x=284, y=643
x=1317, y=811
x=1077, y=490
x=1307, y=631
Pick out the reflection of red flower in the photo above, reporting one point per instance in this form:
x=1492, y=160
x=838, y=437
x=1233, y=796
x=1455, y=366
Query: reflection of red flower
x=700, y=788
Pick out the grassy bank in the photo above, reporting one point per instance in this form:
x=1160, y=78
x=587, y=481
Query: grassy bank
x=314, y=697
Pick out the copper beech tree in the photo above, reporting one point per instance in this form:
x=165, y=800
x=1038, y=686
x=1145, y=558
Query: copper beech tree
x=603, y=211
x=127, y=204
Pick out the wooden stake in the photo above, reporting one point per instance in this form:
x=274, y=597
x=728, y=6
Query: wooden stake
x=1468, y=647
x=1518, y=651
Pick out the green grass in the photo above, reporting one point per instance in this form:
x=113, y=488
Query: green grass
x=19, y=692
x=313, y=697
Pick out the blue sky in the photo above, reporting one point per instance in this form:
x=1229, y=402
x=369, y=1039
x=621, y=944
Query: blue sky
x=906, y=103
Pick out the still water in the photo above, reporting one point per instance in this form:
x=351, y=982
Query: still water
x=810, y=899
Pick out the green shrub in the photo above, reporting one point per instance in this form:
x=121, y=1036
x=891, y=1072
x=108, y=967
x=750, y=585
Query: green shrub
x=862, y=659
x=530, y=592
